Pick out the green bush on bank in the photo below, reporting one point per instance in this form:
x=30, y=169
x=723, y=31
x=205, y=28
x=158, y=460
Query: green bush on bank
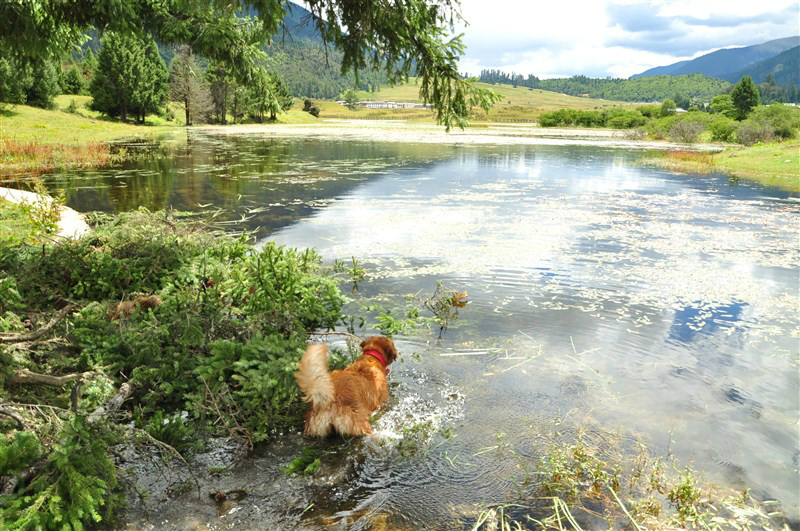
x=221, y=346
x=615, y=118
x=764, y=124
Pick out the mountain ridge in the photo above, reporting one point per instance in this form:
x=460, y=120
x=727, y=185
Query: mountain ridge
x=726, y=61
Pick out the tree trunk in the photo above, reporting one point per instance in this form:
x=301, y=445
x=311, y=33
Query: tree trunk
x=188, y=112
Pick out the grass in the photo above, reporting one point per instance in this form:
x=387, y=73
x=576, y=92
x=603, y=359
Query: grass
x=519, y=104
x=776, y=164
x=34, y=140
x=24, y=124
x=580, y=484
x=15, y=223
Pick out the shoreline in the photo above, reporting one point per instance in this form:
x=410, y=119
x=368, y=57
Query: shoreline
x=476, y=134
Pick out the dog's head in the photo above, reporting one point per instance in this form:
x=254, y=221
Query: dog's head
x=382, y=344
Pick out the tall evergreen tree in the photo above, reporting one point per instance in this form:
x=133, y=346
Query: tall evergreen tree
x=72, y=81
x=44, y=85
x=282, y=92
x=188, y=86
x=221, y=84
x=263, y=98
x=745, y=97
x=131, y=78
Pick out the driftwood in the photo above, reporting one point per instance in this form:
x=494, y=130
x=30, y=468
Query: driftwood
x=33, y=336
x=24, y=376
x=125, y=390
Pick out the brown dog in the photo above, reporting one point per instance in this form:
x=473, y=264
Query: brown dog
x=343, y=400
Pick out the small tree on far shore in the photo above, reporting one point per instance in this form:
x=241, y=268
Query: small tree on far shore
x=745, y=97
x=351, y=99
x=668, y=108
x=187, y=85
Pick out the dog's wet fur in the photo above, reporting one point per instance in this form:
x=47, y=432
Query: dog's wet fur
x=342, y=401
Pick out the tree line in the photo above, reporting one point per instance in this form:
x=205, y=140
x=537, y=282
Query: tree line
x=684, y=90
x=128, y=79
x=733, y=117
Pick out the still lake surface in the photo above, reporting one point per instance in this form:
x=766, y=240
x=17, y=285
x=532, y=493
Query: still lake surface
x=606, y=296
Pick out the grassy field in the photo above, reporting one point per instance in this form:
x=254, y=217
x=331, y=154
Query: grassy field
x=25, y=124
x=519, y=104
x=776, y=164
x=36, y=140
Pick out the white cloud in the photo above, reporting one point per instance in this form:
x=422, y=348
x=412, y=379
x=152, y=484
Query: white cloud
x=604, y=37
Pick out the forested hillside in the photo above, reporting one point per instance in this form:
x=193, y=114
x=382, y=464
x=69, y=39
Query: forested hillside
x=307, y=67
x=309, y=71
x=723, y=63
x=784, y=68
x=658, y=88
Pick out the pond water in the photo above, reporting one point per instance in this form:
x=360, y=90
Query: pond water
x=604, y=294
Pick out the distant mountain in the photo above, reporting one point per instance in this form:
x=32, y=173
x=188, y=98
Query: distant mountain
x=307, y=66
x=784, y=67
x=726, y=62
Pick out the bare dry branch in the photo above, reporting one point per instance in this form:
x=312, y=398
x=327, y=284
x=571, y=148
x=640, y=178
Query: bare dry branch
x=33, y=336
x=344, y=334
x=10, y=413
x=125, y=390
x=24, y=376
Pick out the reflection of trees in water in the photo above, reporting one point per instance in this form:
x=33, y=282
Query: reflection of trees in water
x=241, y=173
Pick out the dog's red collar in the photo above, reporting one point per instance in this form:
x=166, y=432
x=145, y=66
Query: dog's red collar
x=378, y=356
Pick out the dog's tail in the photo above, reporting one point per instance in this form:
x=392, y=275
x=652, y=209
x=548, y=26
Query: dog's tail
x=313, y=377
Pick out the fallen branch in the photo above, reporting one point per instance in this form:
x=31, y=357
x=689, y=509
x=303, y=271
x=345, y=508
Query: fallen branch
x=9, y=486
x=125, y=391
x=33, y=336
x=24, y=376
x=345, y=334
x=13, y=415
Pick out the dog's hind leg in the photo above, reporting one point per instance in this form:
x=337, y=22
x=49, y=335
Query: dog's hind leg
x=318, y=424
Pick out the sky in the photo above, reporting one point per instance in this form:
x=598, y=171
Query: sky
x=599, y=38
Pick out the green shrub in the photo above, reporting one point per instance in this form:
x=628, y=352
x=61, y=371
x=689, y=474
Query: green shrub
x=754, y=131
x=668, y=108
x=685, y=131
x=311, y=108
x=214, y=350
x=72, y=81
x=649, y=111
x=71, y=490
x=784, y=120
x=660, y=127
x=72, y=108
x=624, y=118
x=723, y=129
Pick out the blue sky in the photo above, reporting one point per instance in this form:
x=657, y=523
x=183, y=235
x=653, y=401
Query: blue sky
x=555, y=38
